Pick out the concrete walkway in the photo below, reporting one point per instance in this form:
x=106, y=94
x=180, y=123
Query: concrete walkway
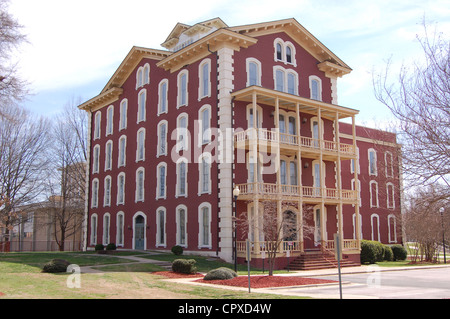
x=136, y=259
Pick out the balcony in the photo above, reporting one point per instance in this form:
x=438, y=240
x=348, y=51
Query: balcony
x=293, y=192
x=308, y=146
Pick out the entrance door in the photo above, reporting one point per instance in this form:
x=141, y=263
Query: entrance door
x=139, y=235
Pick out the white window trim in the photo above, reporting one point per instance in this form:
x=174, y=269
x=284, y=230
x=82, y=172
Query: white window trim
x=158, y=227
x=258, y=68
x=200, y=79
x=284, y=45
x=123, y=121
x=139, y=115
x=200, y=126
x=106, y=239
x=108, y=158
x=143, y=72
x=389, y=165
x=136, y=195
x=110, y=120
x=371, y=194
x=208, y=157
x=377, y=218
x=118, y=189
x=319, y=80
x=185, y=72
x=392, y=240
x=178, y=182
x=166, y=101
x=177, y=216
x=94, y=230
x=158, y=132
x=96, y=159
x=200, y=225
x=123, y=137
x=94, y=197
x=138, y=159
x=158, y=181
x=259, y=119
x=97, y=125
x=390, y=196
x=285, y=79
x=106, y=199
x=370, y=150
x=120, y=230
x=180, y=132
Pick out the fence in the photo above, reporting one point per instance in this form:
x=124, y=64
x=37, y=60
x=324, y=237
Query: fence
x=39, y=245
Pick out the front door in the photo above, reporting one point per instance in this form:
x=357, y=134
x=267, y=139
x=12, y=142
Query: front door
x=139, y=234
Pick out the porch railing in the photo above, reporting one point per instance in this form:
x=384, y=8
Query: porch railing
x=273, y=136
x=270, y=189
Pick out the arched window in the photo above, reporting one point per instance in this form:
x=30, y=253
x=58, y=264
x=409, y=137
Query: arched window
x=182, y=168
x=182, y=88
x=122, y=151
x=163, y=96
x=204, y=220
x=161, y=227
x=94, y=198
x=181, y=220
x=107, y=193
x=123, y=114
x=142, y=99
x=253, y=72
x=109, y=120
x=162, y=138
x=94, y=224
x=121, y=189
x=108, y=155
x=119, y=228
x=140, y=177
x=97, y=124
x=140, y=147
x=204, y=72
x=161, y=173
x=106, y=228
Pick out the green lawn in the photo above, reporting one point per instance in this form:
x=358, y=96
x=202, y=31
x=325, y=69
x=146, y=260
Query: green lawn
x=21, y=278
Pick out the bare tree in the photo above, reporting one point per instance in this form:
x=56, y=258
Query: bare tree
x=422, y=221
x=12, y=87
x=23, y=159
x=275, y=226
x=67, y=181
x=419, y=99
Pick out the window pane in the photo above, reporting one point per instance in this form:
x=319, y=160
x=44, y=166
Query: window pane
x=253, y=74
x=205, y=79
x=288, y=55
x=291, y=83
x=279, y=52
x=279, y=81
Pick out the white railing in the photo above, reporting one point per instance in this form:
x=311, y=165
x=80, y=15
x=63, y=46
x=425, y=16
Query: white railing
x=270, y=189
x=273, y=136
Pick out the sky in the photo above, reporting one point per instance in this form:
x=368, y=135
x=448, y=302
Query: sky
x=74, y=47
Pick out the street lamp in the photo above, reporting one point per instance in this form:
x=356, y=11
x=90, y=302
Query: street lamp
x=441, y=210
x=236, y=192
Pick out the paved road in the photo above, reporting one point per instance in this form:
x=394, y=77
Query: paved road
x=400, y=284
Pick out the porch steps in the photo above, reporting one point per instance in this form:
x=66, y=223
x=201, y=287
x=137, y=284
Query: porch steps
x=318, y=260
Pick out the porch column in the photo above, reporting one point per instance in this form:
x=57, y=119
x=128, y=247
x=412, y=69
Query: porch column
x=357, y=219
x=299, y=179
x=322, y=182
x=339, y=180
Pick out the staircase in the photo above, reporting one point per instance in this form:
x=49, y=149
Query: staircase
x=318, y=260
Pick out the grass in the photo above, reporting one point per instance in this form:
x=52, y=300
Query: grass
x=21, y=278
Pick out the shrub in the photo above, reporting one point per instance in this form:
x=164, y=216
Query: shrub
x=371, y=251
x=221, y=273
x=388, y=254
x=111, y=246
x=177, y=250
x=184, y=266
x=99, y=247
x=55, y=266
x=399, y=252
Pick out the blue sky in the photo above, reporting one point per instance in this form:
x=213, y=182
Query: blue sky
x=75, y=46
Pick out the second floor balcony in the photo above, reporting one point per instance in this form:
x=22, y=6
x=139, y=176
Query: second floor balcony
x=270, y=191
x=309, y=147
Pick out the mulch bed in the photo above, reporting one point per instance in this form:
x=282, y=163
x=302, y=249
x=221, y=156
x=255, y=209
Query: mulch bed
x=255, y=281
x=267, y=281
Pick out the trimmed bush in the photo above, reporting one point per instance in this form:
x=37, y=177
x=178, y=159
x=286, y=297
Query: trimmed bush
x=55, y=266
x=99, y=247
x=111, y=246
x=221, y=273
x=399, y=252
x=371, y=251
x=388, y=254
x=184, y=266
x=177, y=250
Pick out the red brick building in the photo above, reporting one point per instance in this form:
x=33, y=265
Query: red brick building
x=174, y=132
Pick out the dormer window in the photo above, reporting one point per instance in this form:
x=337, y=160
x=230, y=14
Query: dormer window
x=284, y=52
